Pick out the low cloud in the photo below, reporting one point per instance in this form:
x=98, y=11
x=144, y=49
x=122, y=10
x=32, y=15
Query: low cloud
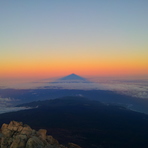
x=11, y=109
x=5, y=102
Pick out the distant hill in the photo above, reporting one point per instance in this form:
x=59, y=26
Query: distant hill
x=68, y=101
x=88, y=123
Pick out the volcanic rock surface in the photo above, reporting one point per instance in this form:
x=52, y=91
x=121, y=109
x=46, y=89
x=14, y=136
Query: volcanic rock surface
x=19, y=135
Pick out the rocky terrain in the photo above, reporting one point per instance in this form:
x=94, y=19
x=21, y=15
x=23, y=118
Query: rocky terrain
x=19, y=135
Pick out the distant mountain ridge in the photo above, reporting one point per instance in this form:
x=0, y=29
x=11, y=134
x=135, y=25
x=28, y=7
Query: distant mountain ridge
x=63, y=101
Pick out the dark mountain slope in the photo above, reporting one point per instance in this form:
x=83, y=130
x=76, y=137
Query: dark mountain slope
x=88, y=123
x=25, y=96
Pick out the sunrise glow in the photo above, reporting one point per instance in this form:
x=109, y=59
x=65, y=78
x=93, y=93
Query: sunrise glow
x=49, y=39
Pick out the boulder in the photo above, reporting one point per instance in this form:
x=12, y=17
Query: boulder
x=72, y=145
x=26, y=131
x=52, y=141
x=42, y=134
x=19, y=141
x=34, y=142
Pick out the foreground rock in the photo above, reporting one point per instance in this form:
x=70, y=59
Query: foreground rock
x=18, y=135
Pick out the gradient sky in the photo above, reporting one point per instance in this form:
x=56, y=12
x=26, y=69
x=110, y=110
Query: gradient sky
x=48, y=38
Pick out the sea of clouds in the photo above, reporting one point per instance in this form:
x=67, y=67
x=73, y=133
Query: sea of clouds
x=137, y=87
x=7, y=105
x=132, y=87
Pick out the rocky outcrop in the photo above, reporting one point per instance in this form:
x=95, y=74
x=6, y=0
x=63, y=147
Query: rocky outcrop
x=19, y=135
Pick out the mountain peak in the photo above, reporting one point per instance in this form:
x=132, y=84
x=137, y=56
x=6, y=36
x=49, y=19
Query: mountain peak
x=72, y=77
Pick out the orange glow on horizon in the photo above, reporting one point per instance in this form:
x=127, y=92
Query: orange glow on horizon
x=55, y=72
x=54, y=67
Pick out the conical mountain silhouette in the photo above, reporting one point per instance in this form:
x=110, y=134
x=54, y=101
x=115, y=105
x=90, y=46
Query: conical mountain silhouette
x=73, y=77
